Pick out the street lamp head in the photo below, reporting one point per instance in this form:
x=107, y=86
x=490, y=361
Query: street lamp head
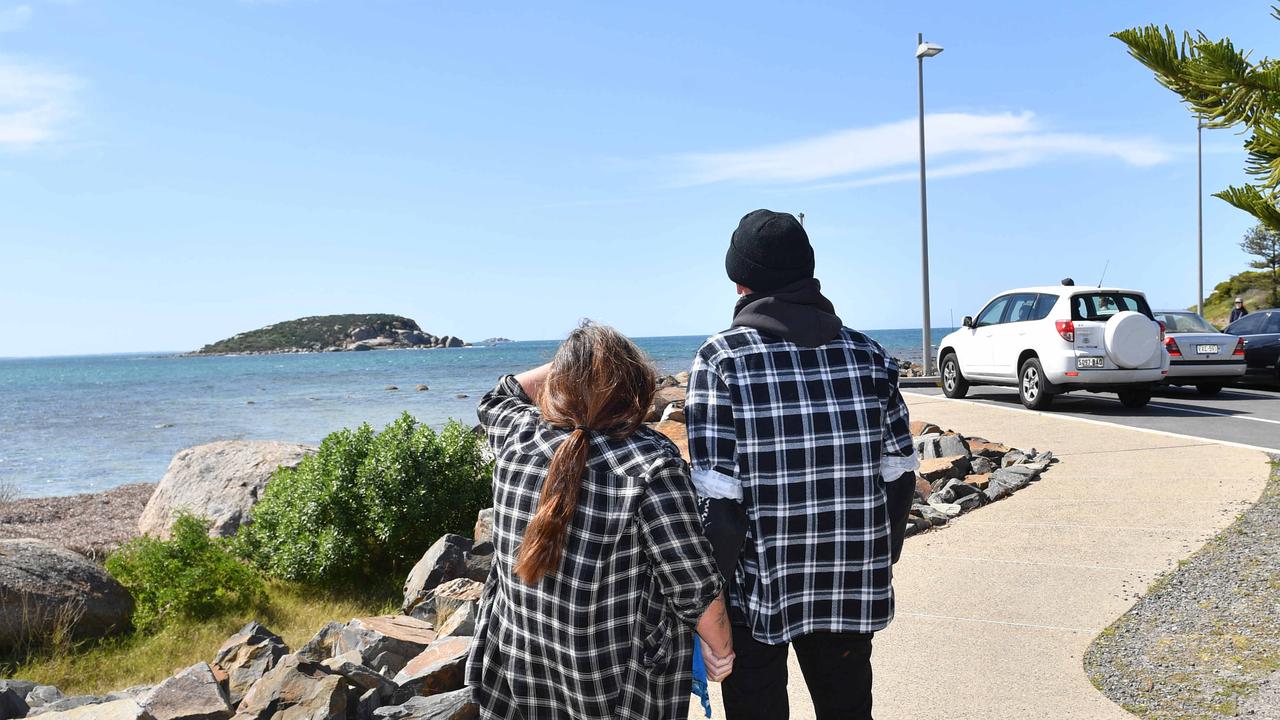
x=927, y=50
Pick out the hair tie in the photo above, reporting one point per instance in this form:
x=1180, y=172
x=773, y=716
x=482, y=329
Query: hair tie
x=581, y=427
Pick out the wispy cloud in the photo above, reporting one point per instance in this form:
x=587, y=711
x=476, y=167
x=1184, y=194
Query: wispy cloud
x=35, y=103
x=14, y=17
x=958, y=144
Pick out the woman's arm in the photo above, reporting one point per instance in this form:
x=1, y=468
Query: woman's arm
x=531, y=380
x=717, y=640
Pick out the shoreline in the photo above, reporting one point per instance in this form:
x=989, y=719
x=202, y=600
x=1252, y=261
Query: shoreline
x=92, y=524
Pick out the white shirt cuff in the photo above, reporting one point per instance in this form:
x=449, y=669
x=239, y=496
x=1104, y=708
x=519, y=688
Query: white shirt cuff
x=893, y=467
x=716, y=485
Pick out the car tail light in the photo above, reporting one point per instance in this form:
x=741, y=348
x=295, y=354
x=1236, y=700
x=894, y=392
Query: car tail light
x=1066, y=329
x=1172, y=346
x=1239, y=351
x=1162, y=335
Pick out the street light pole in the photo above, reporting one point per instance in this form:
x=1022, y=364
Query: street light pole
x=1199, y=218
x=924, y=50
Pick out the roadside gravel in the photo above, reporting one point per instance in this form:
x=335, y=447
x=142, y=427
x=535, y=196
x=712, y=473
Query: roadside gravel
x=1205, y=640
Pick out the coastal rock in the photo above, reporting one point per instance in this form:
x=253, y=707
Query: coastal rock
x=923, y=489
x=453, y=595
x=43, y=695
x=661, y=399
x=979, y=465
x=320, y=646
x=296, y=689
x=125, y=709
x=456, y=705
x=956, y=466
x=952, y=445
x=437, y=669
x=483, y=532
x=13, y=698
x=461, y=622
x=422, y=387
x=246, y=657
x=64, y=704
x=987, y=449
x=920, y=427
x=450, y=341
x=220, y=481
x=385, y=642
x=350, y=666
x=673, y=413
x=445, y=560
x=193, y=694
x=43, y=586
x=676, y=432
x=479, y=562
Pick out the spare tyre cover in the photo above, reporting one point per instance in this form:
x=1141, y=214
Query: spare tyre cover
x=1131, y=339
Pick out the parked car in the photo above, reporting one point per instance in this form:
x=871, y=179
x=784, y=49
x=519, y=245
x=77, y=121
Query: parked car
x=1199, y=353
x=1260, y=331
x=1052, y=340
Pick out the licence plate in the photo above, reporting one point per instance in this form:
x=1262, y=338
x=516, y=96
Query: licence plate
x=1207, y=349
x=1089, y=362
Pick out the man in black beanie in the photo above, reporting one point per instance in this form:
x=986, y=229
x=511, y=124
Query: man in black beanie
x=799, y=443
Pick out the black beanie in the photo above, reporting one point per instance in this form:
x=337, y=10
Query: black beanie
x=768, y=250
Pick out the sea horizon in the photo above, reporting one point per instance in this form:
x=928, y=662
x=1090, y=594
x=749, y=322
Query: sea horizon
x=85, y=423
x=937, y=333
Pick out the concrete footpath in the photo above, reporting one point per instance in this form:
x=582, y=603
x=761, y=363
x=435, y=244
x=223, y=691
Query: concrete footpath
x=995, y=612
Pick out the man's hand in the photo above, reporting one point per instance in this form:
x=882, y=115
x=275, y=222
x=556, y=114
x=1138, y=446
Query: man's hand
x=718, y=667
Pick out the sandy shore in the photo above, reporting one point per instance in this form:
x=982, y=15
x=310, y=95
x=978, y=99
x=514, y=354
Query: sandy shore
x=91, y=524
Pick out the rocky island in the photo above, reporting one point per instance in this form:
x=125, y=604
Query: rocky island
x=332, y=333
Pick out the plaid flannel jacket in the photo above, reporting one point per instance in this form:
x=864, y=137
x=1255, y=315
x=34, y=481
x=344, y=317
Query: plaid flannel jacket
x=607, y=634
x=801, y=437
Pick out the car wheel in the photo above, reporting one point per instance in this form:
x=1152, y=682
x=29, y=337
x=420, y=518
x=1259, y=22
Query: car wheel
x=1134, y=398
x=953, y=383
x=1032, y=387
x=1209, y=388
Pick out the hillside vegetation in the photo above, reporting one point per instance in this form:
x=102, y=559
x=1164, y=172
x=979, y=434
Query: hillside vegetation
x=320, y=332
x=1254, y=286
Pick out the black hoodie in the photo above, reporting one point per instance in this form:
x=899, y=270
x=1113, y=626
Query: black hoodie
x=797, y=313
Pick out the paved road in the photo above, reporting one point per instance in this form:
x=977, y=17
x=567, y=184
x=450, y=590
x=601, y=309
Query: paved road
x=1245, y=416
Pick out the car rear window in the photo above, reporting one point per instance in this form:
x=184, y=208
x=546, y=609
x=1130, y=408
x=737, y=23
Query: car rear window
x=1102, y=305
x=1185, y=323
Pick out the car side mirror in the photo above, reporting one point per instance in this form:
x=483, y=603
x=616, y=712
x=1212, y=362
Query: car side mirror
x=967, y=321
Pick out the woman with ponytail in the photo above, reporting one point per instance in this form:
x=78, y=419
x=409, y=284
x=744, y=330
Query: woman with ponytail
x=600, y=565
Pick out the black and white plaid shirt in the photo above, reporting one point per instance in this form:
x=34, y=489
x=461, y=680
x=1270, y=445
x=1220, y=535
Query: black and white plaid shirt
x=607, y=635
x=801, y=436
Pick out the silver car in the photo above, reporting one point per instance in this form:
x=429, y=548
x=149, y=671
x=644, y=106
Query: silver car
x=1200, y=354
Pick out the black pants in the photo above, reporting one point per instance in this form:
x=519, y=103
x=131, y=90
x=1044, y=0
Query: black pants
x=836, y=667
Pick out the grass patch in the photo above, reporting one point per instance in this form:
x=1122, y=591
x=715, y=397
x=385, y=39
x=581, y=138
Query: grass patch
x=97, y=667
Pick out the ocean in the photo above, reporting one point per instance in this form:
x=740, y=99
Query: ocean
x=87, y=423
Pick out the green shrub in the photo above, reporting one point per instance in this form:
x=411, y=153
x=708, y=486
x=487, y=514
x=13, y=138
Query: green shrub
x=190, y=576
x=367, y=505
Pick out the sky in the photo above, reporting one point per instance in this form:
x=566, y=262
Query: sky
x=175, y=173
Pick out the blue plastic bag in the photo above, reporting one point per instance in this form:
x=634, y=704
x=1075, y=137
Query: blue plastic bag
x=700, y=676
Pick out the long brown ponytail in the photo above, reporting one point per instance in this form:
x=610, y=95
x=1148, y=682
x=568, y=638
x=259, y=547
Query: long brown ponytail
x=599, y=382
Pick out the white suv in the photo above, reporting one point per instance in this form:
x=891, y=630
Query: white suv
x=1051, y=340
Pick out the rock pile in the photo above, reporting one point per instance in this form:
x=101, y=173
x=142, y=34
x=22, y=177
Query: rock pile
x=391, y=666
x=957, y=473
x=363, y=338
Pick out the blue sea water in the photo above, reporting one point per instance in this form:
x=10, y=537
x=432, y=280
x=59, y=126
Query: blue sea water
x=83, y=424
